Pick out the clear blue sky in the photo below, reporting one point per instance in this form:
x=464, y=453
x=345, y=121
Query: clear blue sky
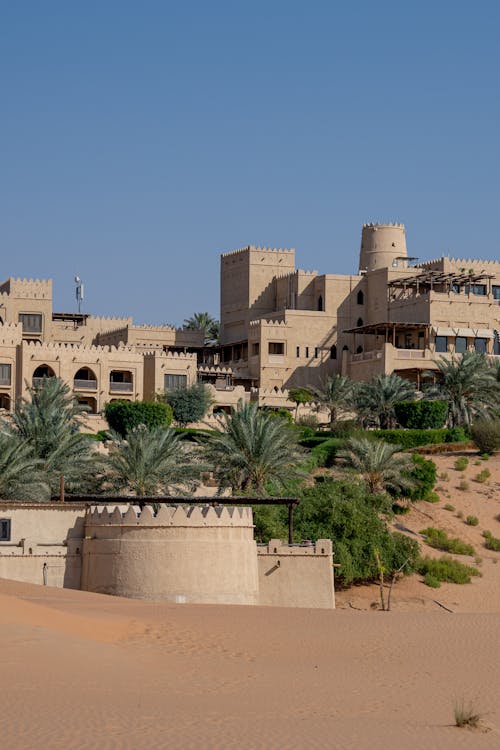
x=138, y=140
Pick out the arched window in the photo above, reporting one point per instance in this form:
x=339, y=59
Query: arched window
x=320, y=303
x=359, y=350
x=85, y=380
x=41, y=373
x=361, y=298
x=345, y=348
x=333, y=352
x=360, y=322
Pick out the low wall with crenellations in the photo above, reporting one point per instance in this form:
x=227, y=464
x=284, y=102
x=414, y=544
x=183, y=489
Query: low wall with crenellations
x=185, y=554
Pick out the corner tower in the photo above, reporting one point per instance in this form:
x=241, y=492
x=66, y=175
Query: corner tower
x=382, y=245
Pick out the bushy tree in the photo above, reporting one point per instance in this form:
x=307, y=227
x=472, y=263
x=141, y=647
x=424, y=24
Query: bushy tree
x=252, y=448
x=469, y=385
x=150, y=462
x=123, y=416
x=189, y=404
x=49, y=422
x=375, y=401
x=21, y=476
x=300, y=396
x=335, y=394
x=421, y=415
x=486, y=435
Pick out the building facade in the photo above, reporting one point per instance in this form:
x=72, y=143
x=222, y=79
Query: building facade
x=281, y=327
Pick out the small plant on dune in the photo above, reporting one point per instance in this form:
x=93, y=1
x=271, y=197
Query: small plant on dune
x=478, y=462
x=491, y=542
x=463, y=486
x=478, y=560
x=447, y=569
x=466, y=714
x=485, y=456
x=461, y=463
x=449, y=507
x=443, y=477
x=439, y=539
x=432, y=497
x=460, y=514
x=483, y=476
x=472, y=521
x=432, y=581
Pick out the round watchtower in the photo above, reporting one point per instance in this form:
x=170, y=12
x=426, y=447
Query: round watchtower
x=185, y=554
x=382, y=246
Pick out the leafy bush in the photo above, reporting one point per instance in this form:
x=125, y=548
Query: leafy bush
x=124, y=416
x=421, y=415
x=345, y=428
x=443, y=477
x=193, y=434
x=432, y=497
x=326, y=451
x=308, y=420
x=486, y=435
x=424, y=473
x=432, y=581
x=449, y=507
x=342, y=511
x=414, y=438
x=312, y=442
x=491, y=542
x=461, y=463
x=439, y=539
x=189, y=404
x=446, y=569
x=282, y=413
x=483, y=476
x=463, y=486
x=472, y=521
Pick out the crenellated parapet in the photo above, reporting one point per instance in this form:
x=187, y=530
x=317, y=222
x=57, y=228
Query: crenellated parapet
x=160, y=355
x=258, y=249
x=170, y=515
x=36, y=347
x=27, y=288
x=11, y=334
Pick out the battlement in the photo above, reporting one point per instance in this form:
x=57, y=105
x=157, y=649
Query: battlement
x=254, y=248
x=11, y=334
x=380, y=225
x=156, y=354
x=55, y=346
x=167, y=515
x=30, y=288
x=322, y=547
x=264, y=322
x=215, y=370
x=462, y=262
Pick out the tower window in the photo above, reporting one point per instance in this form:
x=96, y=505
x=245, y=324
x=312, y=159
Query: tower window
x=320, y=303
x=333, y=352
x=360, y=298
x=298, y=351
x=360, y=322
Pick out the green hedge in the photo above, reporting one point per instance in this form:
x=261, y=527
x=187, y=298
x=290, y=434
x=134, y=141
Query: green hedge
x=414, y=438
x=193, y=435
x=421, y=415
x=325, y=452
x=123, y=416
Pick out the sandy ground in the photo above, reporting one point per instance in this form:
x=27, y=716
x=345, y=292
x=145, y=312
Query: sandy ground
x=479, y=499
x=84, y=671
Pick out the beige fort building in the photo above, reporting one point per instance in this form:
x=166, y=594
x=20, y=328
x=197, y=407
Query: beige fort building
x=281, y=327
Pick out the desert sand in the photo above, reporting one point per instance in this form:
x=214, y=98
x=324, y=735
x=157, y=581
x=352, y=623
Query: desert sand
x=86, y=671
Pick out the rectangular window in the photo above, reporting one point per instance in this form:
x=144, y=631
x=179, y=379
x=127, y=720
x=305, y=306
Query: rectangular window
x=316, y=350
x=495, y=290
x=460, y=344
x=298, y=351
x=479, y=289
x=277, y=347
x=255, y=349
x=480, y=345
x=307, y=351
x=173, y=380
x=441, y=344
x=4, y=529
x=31, y=322
x=5, y=374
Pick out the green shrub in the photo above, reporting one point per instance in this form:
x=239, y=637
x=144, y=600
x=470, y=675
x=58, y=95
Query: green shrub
x=486, y=435
x=421, y=415
x=326, y=451
x=472, y=521
x=189, y=404
x=424, y=473
x=449, y=507
x=483, y=476
x=414, y=438
x=285, y=414
x=447, y=569
x=431, y=581
x=491, y=542
x=485, y=456
x=432, y=497
x=193, y=434
x=461, y=463
x=308, y=420
x=123, y=416
x=439, y=539
x=443, y=477
x=345, y=428
x=312, y=442
x=463, y=486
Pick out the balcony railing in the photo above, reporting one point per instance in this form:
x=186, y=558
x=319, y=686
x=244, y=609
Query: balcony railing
x=38, y=382
x=121, y=387
x=85, y=385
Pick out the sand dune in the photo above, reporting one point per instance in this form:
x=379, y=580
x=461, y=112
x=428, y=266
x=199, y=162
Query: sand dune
x=85, y=671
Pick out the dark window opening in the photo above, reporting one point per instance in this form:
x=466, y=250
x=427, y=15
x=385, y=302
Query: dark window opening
x=441, y=344
x=316, y=350
x=298, y=351
x=495, y=290
x=5, y=374
x=5, y=529
x=255, y=349
x=333, y=352
x=359, y=350
x=31, y=322
x=173, y=380
x=361, y=298
x=320, y=303
x=277, y=347
x=460, y=344
x=480, y=345
x=360, y=322
x=307, y=351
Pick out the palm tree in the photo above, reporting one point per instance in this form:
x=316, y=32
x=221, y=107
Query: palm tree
x=376, y=400
x=335, y=393
x=251, y=448
x=49, y=424
x=470, y=386
x=20, y=475
x=379, y=464
x=203, y=322
x=149, y=463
